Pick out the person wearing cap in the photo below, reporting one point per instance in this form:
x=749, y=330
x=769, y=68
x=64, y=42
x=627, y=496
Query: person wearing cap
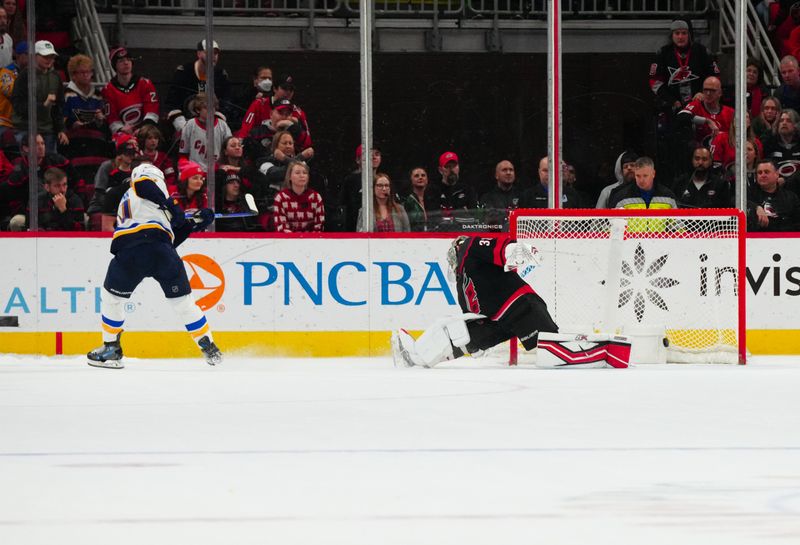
x=537, y=195
x=49, y=98
x=191, y=194
x=6, y=42
x=132, y=99
x=86, y=124
x=676, y=78
x=111, y=182
x=230, y=200
x=454, y=196
x=20, y=61
x=192, y=144
x=259, y=140
x=283, y=89
x=624, y=172
x=190, y=79
x=501, y=199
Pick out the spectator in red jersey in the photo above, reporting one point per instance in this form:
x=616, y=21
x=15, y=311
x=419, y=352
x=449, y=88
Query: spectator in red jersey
x=708, y=116
x=59, y=208
x=788, y=22
x=260, y=88
x=191, y=194
x=190, y=79
x=14, y=190
x=110, y=183
x=766, y=122
x=388, y=216
x=284, y=88
x=86, y=126
x=17, y=25
x=150, y=141
x=49, y=98
x=298, y=208
x=132, y=99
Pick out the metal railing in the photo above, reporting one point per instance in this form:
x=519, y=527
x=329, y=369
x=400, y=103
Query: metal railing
x=347, y=8
x=90, y=39
x=759, y=45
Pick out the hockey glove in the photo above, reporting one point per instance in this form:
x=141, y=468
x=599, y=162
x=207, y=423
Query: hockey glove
x=201, y=219
x=519, y=256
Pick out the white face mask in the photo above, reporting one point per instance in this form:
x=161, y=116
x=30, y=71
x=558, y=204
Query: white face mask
x=265, y=85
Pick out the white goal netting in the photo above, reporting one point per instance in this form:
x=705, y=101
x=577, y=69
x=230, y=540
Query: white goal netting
x=615, y=271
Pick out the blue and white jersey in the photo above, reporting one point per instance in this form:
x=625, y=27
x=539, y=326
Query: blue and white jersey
x=141, y=219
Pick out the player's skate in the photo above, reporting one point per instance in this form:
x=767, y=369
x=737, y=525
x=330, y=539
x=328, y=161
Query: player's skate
x=402, y=347
x=109, y=355
x=210, y=351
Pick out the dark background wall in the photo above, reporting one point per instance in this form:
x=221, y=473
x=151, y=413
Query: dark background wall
x=484, y=107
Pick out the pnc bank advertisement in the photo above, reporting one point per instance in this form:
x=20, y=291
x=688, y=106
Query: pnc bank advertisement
x=292, y=290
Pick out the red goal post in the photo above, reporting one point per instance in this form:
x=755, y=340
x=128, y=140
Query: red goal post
x=620, y=271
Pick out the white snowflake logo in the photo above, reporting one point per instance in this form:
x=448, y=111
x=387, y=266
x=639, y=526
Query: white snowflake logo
x=638, y=283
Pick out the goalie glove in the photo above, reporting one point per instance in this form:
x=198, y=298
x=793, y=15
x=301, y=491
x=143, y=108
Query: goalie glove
x=521, y=257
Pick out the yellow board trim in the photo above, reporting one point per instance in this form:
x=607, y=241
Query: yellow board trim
x=178, y=344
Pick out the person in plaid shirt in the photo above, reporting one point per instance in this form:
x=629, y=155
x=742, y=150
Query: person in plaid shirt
x=298, y=208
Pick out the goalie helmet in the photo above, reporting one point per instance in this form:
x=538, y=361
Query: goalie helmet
x=147, y=171
x=452, y=255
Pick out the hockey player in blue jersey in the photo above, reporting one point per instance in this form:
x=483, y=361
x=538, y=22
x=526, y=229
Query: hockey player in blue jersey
x=149, y=228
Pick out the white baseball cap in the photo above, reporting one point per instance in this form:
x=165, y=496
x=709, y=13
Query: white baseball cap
x=44, y=48
x=201, y=45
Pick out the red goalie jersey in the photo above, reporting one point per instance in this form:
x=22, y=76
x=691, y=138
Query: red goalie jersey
x=132, y=104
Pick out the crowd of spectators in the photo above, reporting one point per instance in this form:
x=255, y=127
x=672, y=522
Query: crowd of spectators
x=88, y=140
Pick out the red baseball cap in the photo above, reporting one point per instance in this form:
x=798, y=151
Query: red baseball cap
x=447, y=157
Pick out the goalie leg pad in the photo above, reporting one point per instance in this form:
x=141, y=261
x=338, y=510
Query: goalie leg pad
x=582, y=351
x=444, y=340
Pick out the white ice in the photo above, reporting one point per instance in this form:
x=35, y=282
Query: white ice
x=326, y=452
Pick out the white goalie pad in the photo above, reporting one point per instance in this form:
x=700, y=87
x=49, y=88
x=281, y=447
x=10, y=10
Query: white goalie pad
x=582, y=351
x=435, y=345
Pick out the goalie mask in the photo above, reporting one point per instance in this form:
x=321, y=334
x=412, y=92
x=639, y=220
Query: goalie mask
x=452, y=257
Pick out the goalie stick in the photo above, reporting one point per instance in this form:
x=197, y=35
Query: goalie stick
x=251, y=204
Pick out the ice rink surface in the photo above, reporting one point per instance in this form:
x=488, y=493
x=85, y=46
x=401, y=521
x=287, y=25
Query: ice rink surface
x=325, y=452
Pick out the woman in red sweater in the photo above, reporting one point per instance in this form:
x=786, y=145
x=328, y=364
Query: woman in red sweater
x=298, y=208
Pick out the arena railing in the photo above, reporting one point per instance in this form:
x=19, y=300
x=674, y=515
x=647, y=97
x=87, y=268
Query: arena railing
x=446, y=8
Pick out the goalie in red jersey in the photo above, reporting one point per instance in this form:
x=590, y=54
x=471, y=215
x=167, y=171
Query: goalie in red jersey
x=498, y=305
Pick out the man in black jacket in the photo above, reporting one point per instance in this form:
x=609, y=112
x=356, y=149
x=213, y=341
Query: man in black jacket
x=703, y=188
x=770, y=207
x=503, y=198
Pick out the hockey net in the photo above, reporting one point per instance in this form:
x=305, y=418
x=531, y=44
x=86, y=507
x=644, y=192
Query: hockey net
x=619, y=271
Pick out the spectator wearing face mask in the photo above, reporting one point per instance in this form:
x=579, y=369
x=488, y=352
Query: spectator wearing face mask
x=260, y=88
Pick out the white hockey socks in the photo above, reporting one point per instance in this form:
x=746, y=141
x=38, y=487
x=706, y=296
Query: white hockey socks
x=191, y=315
x=559, y=350
x=112, y=315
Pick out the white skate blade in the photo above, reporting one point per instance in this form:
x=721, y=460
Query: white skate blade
x=108, y=364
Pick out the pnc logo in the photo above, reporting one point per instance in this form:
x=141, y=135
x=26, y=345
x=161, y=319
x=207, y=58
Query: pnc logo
x=205, y=275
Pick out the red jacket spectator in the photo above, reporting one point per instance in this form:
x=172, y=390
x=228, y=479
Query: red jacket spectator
x=132, y=100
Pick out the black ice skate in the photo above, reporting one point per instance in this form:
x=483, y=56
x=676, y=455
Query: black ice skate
x=109, y=355
x=210, y=351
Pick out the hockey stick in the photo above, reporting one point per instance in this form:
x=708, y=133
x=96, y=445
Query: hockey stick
x=251, y=204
